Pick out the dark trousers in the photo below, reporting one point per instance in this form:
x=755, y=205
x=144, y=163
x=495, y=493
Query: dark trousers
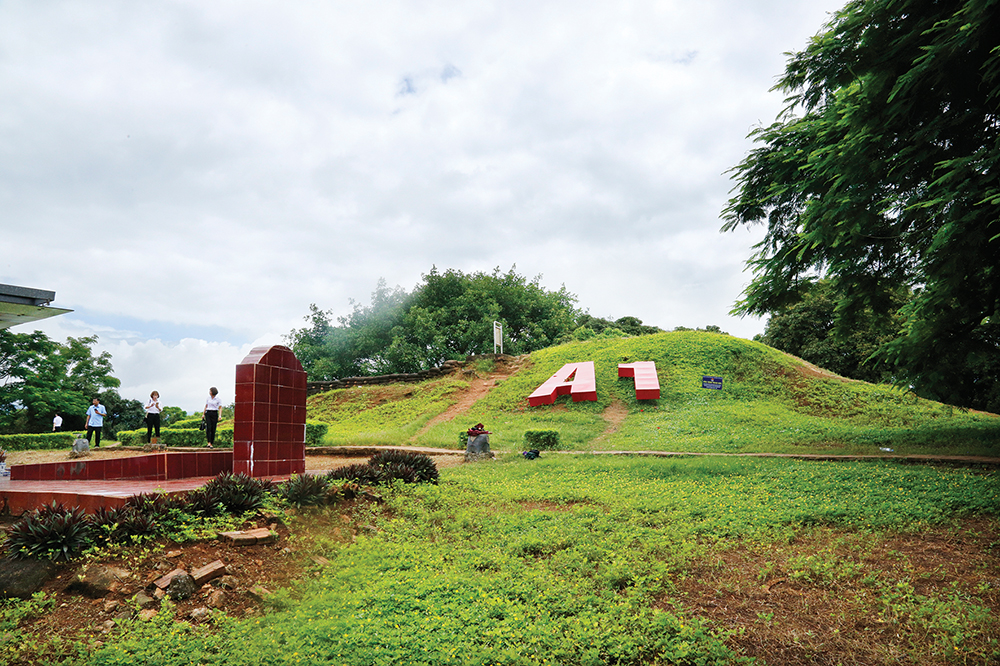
x=94, y=429
x=211, y=420
x=152, y=421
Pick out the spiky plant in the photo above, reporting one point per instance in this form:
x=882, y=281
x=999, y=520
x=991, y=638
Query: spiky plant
x=363, y=474
x=393, y=471
x=304, y=490
x=154, y=505
x=204, y=501
x=238, y=493
x=424, y=468
x=52, y=532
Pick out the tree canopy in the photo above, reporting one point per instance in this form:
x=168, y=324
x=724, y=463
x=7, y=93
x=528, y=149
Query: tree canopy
x=40, y=377
x=807, y=329
x=882, y=174
x=448, y=315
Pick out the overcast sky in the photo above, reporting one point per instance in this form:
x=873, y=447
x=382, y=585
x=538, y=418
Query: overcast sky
x=189, y=176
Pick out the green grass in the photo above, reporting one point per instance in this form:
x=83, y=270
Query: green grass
x=570, y=560
x=770, y=402
x=376, y=415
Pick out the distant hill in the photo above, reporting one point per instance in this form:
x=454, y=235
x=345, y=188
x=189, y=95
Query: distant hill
x=770, y=402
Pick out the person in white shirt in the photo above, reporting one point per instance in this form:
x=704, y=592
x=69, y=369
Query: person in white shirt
x=153, y=416
x=57, y=423
x=95, y=421
x=211, y=415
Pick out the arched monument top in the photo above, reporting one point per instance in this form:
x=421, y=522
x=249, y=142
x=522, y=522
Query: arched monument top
x=275, y=355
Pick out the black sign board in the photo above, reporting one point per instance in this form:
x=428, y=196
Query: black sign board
x=711, y=382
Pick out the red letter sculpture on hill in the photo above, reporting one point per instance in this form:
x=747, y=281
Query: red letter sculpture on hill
x=582, y=386
x=647, y=384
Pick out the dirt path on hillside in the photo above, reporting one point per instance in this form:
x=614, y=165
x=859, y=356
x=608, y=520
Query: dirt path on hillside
x=614, y=416
x=479, y=386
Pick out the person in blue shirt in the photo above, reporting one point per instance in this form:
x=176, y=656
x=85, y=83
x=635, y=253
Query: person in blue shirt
x=95, y=421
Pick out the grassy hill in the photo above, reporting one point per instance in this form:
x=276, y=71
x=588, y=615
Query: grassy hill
x=771, y=402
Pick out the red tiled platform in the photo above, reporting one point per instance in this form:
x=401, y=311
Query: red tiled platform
x=168, y=465
x=20, y=496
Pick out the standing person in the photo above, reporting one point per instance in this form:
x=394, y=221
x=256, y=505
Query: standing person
x=95, y=421
x=153, y=417
x=57, y=423
x=211, y=415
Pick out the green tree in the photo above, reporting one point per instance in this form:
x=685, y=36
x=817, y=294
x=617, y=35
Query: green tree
x=447, y=316
x=807, y=330
x=883, y=174
x=40, y=377
x=123, y=413
x=171, y=415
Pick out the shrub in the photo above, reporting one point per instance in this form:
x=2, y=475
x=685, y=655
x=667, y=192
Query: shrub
x=363, y=474
x=177, y=437
x=541, y=439
x=45, y=440
x=238, y=493
x=315, y=431
x=304, y=490
x=154, y=505
x=52, y=532
x=424, y=469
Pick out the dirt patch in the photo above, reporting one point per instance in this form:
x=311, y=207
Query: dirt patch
x=479, y=386
x=844, y=598
x=62, y=455
x=614, y=415
x=272, y=566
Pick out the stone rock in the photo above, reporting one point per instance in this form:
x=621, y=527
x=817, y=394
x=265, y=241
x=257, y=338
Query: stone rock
x=148, y=613
x=143, y=600
x=107, y=626
x=111, y=605
x=174, y=553
x=259, y=592
x=248, y=537
x=182, y=586
x=209, y=572
x=227, y=582
x=81, y=447
x=321, y=561
x=163, y=581
x=216, y=599
x=198, y=614
x=159, y=593
x=99, y=581
x=22, y=578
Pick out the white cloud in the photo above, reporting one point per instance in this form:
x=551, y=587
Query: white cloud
x=189, y=176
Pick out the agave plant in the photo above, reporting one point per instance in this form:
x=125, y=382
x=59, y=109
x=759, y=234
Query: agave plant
x=153, y=505
x=304, y=490
x=423, y=467
x=238, y=493
x=52, y=532
x=363, y=474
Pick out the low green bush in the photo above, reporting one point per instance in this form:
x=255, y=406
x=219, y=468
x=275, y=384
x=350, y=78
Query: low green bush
x=541, y=439
x=45, y=440
x=315, y=431
x=177, y=437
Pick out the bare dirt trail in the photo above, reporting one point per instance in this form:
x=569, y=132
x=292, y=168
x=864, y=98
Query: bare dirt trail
x=614, y=416
x=479, y=386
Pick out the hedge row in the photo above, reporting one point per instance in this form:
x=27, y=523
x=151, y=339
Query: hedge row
x=45, y=440
x=177, y=437
x=542, y=439
x=186, y=436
